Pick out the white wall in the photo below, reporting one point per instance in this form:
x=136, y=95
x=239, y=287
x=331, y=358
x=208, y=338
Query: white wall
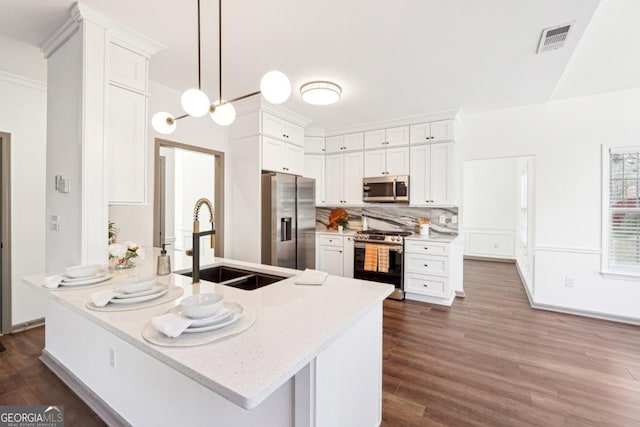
x=489, y=207
x=23, y=104
x=136, y=222
x=565, y=137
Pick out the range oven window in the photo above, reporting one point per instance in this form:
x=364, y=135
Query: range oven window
x=393, y=277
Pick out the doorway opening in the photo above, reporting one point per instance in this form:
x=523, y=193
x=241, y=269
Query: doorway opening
x=498, y=211
x=184, y=174
x=5, y=233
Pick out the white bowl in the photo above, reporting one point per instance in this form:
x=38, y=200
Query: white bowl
x=136, y=284
x=78, y=271
x=201, y=305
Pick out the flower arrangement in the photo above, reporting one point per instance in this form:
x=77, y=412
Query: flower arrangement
x=124, y=253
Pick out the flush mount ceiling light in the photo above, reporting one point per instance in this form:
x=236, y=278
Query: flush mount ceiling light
x=320, y=92
x=274, y=86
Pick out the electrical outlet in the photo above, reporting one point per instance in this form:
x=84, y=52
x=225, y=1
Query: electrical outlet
x=454, y=219
x=442, y=219
x=112, y=358
x=569, y=281
x=54, y=222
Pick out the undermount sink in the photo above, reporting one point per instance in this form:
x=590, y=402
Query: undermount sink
x=237, y=278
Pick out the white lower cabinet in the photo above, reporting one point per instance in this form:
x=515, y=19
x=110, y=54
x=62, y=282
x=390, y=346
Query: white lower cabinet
x=432, y=270
x=335, y=254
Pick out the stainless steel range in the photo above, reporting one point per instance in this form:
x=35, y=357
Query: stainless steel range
x=378, y=257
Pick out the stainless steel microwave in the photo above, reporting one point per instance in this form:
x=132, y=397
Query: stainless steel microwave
x=386, y=189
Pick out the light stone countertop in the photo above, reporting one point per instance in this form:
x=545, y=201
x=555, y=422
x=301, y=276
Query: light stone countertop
x=444, y=238
x=347, y=232
x=294, y=324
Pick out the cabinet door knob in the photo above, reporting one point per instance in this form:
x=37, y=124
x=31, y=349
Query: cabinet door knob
x=426, y=248
x=340, y=251
x=426, y=265
x=425, y=285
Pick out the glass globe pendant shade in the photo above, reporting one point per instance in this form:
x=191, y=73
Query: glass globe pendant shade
x=195, y=102
x=223, y=114
x=163, y=123
x=275, y=87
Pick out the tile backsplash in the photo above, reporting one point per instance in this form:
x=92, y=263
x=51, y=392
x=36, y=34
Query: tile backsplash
x=393, y=218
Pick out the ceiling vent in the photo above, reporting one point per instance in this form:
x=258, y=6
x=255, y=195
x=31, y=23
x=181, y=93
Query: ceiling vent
x=554, y=38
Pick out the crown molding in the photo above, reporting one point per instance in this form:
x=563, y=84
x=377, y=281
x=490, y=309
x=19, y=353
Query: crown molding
x=318, y=132
x=117, y=32
x=258, y=103
x=17, y=79
x=403, y=121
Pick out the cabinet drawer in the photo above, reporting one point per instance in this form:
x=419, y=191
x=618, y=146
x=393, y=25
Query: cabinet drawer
x=427, y=264
x=426, y=247
x=331, y=240
x=127, y=68
x=426, y=285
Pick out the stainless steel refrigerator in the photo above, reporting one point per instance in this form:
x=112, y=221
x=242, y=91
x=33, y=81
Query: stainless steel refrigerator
x=288, y=221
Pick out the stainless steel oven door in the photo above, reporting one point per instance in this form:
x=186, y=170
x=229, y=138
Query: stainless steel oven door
x=395, y=275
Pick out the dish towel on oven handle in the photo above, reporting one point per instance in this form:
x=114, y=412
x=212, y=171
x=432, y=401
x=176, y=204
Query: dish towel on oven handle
x=383, y=259
x=370, y=257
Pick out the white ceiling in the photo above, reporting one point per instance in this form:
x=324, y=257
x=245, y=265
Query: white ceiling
x=393, y=59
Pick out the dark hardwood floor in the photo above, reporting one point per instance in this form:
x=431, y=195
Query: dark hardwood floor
x=492, y=360
x=489, y=360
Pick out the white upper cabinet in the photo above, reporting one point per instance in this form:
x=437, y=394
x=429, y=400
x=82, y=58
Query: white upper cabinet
x=281, y=129
x=126, y=127
x=314, y=167
x=344, y=173
x=342, y=143
x=127, y=68
x=375, y=163
x=313, y=145
x=375, y=139
x=334, y=144
x=125, y=136
x=391, y=161
x=440, y=131
x=397, y=161
x=383, y=138
x=279, y=156
x=353, y=141
x=432, y=175
x=398, y=136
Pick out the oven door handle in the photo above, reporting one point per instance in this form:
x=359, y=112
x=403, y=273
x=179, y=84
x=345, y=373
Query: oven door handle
x=391, y=248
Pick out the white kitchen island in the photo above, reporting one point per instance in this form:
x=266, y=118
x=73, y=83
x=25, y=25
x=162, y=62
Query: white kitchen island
x=312, y=358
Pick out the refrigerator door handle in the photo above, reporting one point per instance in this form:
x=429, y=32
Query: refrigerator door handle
x=285, y=229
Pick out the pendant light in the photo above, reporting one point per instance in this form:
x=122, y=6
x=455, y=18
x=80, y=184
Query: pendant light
x=274, y=86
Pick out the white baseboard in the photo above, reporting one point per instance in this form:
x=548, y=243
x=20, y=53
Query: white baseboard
x=19, y=327
x=570, y=310
x=432, y=300
x=95, y=402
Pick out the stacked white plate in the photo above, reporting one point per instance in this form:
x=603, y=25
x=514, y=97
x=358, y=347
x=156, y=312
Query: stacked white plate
x=80, y=275
x=155, y=291
x=228, y=314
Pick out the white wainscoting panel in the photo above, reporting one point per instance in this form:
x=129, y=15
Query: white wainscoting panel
x=492, y=243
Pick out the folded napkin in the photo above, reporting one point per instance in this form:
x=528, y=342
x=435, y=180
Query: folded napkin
x=102, y=298
x=53, y=282
x=311, y=277
x=170, y=324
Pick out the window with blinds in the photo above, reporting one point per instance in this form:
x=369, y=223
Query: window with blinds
x=624, y=210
